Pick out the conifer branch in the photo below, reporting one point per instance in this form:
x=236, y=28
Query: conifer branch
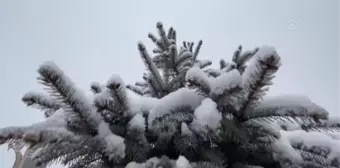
x=141, y=84
x=96, y=87
x=163, y=36
x=79, y=150
x=212, y=72
x=177, y=81
x=153, y=87
x=257, y=77
x=204, y=63
x=197, y=50
x=153, y=38
x=53, y=152
x=118, y=93
x=237, y=53
x=184, y=57
x=11, y=133
x=226, y=89
x=85, y=160
x=198, y=79
x=151, y=66
x=289, y=107
x=103, y=102
x=242, y=58
x=171, y=34
x=174, y=36
x=173, y=55
x=41, y=102
x=229, y=67
x=61, y=87
x=223, y=64
x=135, y=89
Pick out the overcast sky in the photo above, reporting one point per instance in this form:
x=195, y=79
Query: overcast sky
x=91, y=40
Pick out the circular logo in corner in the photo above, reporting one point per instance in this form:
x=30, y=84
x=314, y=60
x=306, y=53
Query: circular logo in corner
x=292, y=25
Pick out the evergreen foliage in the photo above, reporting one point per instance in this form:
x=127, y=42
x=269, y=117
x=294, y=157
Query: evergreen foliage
x=184, y=114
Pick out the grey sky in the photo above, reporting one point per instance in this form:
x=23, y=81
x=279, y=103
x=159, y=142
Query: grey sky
x=91, y=40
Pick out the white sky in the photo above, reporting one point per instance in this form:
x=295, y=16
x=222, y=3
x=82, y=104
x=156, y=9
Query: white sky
x=91, y=40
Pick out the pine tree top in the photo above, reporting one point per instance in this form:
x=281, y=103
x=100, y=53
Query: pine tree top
x=184, y=114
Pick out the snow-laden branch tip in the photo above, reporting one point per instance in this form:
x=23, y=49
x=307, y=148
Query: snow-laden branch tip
x=226, y=82
x=258, y=75
x=138, y=122
x=290, y=106
x=197, y=78
x=207, y=114
x=291, y=142
x=181, y=97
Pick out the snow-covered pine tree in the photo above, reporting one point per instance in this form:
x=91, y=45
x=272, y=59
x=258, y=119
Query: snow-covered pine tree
x=184, y=114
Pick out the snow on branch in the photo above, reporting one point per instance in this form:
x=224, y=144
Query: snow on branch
x=118, y=92
x=173, y=52
x=179, y=98
x=203, y=63
x=227, y=84
x=103, y=102
x=221, y=122
x=224, y=89
x=87, y=148
x=258, y=75
x=197, y=50
x=152, y=87
x=294, y=145
x=86, y=160
x=172, y=34
x=222, y=63
x=151, y=66
x=164, y=38
x=173, y=63
x=11, y=133
x=41, y=102
x=59, y=84
x=56, y=120
x=114, y=146
x=331, y=121
x=241, y=58
x=197, y=78
x=53, y=152
x=51, y=135
x=288, y=106
x=63, y=88
x=96, y=87
x=137, y=122
x=184, y=59
x=207, y=115
x=135, y=89
x=182, y=162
